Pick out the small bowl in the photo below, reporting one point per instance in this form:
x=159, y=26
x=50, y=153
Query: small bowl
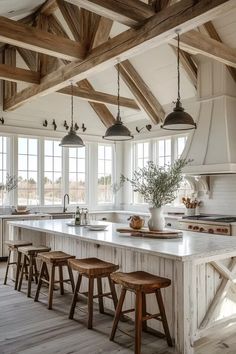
x=21, y=208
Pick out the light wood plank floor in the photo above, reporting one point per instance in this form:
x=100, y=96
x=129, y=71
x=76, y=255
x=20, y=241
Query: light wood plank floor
x=27, y=327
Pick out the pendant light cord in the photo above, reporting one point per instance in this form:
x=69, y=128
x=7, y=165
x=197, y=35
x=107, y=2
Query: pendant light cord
x=118, y=92
x=178, y=69
x=72, y=107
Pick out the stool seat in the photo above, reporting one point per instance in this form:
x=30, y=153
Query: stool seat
x=55, y=256
x=93, y=266
x=17, y=243
x=51, y=261
x=141, y=281
x=33, y=250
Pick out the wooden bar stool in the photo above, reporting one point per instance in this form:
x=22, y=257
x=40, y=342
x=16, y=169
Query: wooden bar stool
x=54, y=259
x=141, y=283
x=93, y=268
x=13, y=247
x=28, y=265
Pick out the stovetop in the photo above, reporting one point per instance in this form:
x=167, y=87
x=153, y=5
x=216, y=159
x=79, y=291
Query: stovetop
x=215, y=218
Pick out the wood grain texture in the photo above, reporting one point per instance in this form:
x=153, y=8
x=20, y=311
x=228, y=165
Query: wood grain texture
x=128, y=12
x=210, y=28
x=101, y=32
x=30, y=58
x=11, y=73
x=157, y=30
x=100, y=97
x=195, y=42
x=18, y=34
x=71, y=14
x=9, y=88
x=142, y=93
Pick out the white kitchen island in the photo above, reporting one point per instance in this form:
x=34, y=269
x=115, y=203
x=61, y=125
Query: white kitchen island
x=200, y=266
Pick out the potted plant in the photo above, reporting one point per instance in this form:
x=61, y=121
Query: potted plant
x=158, y=186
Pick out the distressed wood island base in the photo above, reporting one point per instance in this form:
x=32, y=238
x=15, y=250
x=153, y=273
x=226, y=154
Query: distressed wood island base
x=200, y=266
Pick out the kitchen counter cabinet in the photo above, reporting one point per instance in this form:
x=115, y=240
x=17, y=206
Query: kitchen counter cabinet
x=200, y=266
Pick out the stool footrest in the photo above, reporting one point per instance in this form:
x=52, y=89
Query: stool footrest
x=155, y=316
x=127, y=311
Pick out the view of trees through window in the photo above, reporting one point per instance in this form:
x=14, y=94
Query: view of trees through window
x=141, y=158
x=105, y=174
x=52, y=173
x=77, y=185
x=3, y=165
x=28, y=171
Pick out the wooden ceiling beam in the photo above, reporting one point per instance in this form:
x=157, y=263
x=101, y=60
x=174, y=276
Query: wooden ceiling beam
x=9, y=88
x=101, y=32
x=11, y=73
x=48, y=8
x=128, y=12
x=142, y=93
x=100, y=97
x=71, y=15
x=195, y=42
x=18, y=34
x=100, y=109
x=157, y=30
x=210, y=28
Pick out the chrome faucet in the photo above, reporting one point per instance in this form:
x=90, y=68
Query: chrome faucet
x=64, y=202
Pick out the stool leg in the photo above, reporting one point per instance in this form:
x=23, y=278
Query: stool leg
x=8, y=261
x=18, y=264
x=41, y=275
x=163, y=316
x=35, y=270
x=30, y=278
x=118, y=313
x=23, y=266
x=51, y=286
x=138, y=322
x=90, y=303
x=100, y=298
x=61, y=280
x=71, y=278
x=113, y=292
x=144, y=312
x=74, y=300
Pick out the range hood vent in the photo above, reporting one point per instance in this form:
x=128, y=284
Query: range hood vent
x=212, y=146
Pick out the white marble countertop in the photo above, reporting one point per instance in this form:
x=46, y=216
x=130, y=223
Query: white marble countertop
x=192, y=245
x=15, y=216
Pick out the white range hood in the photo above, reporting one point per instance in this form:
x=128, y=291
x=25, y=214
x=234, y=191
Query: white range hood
x=212, y=146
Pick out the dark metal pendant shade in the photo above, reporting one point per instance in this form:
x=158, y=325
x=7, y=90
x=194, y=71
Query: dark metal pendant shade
x=72, y=140
x=118, y=131
x=179, y=119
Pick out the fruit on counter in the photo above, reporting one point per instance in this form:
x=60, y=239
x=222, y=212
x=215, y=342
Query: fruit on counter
x=136, y=222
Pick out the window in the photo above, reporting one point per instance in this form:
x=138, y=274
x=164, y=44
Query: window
x=141, y=158
x=28, y=171
x=3, y=165
x=164, y=152
x=142, y=154
x=105, y=174
x=77, y=175
x=181, y=141
x=52, y=173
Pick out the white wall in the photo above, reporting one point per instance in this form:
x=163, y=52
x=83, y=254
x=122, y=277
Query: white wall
x=222, y=196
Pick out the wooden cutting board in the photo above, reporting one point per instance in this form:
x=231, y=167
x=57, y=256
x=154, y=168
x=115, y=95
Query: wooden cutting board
x=150, y=234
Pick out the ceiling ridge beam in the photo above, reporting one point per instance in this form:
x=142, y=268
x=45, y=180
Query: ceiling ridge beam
x=18, y=34
x=128, y=12
x=100, y=97
x=158, y=30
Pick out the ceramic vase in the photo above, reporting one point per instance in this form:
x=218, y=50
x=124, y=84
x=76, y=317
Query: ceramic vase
x=156, y=221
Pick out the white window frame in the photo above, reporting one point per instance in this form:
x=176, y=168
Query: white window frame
x=102, y=203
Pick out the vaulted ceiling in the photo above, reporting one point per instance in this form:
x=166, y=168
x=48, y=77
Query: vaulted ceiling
x=45, y=44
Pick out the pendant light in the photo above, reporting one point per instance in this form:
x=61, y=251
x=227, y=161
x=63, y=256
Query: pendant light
x=118, y=131
x=178, y=119
x=72, y=140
